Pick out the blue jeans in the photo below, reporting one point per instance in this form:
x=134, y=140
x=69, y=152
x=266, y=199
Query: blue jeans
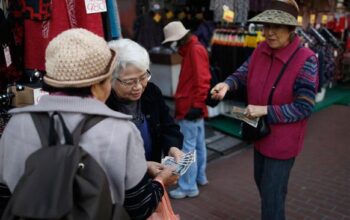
x=194, y=139
x=271, y=177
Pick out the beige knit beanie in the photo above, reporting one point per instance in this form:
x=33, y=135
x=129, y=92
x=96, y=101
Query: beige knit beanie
x=78, y=58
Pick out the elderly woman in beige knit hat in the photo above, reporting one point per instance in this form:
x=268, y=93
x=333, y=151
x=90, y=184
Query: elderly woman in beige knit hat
x=79, y=67
x=281, y=79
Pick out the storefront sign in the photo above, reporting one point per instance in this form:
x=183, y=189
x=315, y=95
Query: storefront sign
x=95, y=6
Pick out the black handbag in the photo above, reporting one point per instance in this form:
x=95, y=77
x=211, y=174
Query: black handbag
x=250, y=133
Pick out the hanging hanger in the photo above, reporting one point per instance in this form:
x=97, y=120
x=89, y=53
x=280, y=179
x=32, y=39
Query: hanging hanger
x=305, y=36
x=330, y=37
x=320, y=39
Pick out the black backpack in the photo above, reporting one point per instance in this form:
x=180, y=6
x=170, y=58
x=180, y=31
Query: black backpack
x=61, y=181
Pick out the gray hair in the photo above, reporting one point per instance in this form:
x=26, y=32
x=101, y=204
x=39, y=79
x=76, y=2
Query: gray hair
x=129, y=53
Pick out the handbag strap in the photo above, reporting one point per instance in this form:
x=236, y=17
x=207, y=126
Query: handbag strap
x=280, y=75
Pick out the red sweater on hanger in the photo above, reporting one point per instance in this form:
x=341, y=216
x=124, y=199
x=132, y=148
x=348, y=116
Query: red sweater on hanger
x=39, y=33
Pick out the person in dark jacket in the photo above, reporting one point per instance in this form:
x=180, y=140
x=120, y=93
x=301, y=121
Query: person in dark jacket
x=132, y=94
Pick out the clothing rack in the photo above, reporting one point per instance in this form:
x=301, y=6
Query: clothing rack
x=305, y=36
x=330, y=38
x=320, y=39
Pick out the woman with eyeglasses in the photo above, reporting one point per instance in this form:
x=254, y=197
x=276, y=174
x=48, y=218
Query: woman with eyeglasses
x=133, y=94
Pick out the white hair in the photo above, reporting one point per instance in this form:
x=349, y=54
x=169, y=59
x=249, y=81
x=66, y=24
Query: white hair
x=129, y=53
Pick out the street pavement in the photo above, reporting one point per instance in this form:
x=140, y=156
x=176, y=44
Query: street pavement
x=319, y=186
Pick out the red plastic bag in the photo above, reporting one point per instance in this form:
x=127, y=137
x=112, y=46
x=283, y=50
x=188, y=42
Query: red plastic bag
x=164, y=210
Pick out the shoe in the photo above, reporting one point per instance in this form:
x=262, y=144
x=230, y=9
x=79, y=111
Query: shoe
x=180, y=194
x=203, y=183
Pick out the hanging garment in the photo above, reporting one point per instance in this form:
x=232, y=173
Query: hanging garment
x=216, y=6
x=327, y=64
x=38, y=10
x=4, y=5
x=180, y=2
x=9, y=73
x=65, y=14
x=317, y=5
x=145, y=26
x=204, y=32
x=229, y=58
x=241, y=9
x=113, y=29
x=259, y=5
x=340, y=24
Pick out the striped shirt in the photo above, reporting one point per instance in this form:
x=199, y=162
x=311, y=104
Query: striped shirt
x=142, y=200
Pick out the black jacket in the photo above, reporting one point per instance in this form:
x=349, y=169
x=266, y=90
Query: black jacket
x=164, y=132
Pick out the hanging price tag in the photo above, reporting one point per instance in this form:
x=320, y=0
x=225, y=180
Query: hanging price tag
x=169, y=15
x=157, y=17
x=324, y=19
x=7, y=56
x=300, y=20
x=228, y=15
x=95, y=6
x=312, y=19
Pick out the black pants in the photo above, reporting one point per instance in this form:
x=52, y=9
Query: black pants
x=271, y=177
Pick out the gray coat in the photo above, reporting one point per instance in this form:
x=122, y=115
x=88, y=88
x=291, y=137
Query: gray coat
x=115, y=142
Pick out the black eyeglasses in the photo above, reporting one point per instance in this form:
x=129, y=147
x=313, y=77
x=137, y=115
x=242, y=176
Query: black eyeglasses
x=133, y=82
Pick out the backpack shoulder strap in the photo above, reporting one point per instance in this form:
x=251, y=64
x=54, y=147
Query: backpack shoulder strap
x=88, y=122
x=42, y=124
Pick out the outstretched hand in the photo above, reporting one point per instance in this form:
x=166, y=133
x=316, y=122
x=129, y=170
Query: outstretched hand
x=219, y=91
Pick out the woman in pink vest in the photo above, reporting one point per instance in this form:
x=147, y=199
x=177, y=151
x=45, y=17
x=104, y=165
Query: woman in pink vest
x=291, y=105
